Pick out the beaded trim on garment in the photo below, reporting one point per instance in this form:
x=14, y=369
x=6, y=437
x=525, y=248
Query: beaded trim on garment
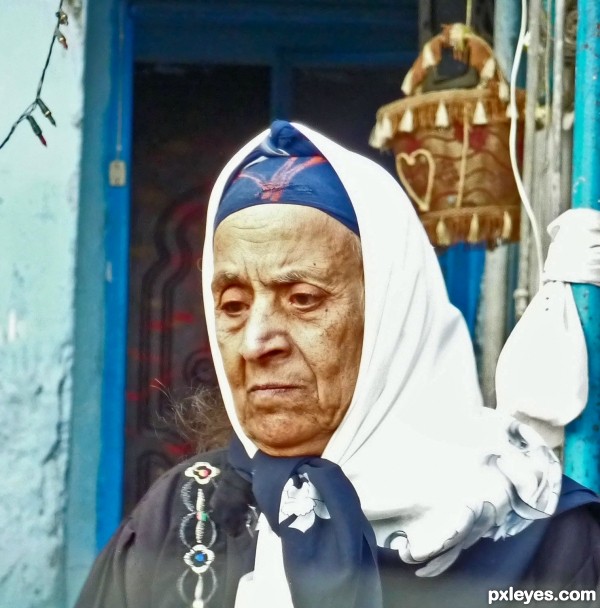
x=198, y=533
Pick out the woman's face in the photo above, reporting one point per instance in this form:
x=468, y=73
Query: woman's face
x=289, y=303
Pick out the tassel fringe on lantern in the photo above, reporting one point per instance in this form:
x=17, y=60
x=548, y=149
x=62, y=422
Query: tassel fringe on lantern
x=473, y=235
x=439, y=110
x=441, y=116
x=387, y=130
x=488, y=70
x=407, y=86
x=442, y=234
x=480, y=225
x=506, y=226
x=428, y=56
x=407, y=124
x=376, y=140
x=479, y=116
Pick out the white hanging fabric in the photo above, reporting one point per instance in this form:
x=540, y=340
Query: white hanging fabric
x=574, y=254
x=542, y=372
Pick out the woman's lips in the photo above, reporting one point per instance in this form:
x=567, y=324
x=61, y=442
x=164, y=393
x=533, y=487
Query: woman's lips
x=272, y=387
x=272, y=393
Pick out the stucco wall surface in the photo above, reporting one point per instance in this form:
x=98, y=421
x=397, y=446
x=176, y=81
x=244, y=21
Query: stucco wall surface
x=38, y=223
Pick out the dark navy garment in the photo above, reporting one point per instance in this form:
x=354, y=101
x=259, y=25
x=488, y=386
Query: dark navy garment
x=143, y=566
x=337, y=553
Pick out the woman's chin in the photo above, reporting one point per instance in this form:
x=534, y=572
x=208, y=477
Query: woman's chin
x=287, y=440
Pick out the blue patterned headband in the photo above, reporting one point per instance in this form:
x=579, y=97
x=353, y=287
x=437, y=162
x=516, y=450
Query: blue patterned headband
x=287, y=168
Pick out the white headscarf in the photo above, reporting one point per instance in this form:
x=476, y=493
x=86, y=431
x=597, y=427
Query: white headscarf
x=434, y=470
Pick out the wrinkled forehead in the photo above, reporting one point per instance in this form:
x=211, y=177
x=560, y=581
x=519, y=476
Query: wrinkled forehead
x=280, y=220
x=292, y=242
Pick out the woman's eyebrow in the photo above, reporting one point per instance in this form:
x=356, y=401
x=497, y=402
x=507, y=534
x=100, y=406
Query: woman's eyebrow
x=300, y=276
x=224, y=278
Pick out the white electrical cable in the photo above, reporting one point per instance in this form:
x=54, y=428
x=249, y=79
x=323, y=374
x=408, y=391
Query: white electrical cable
x=514, y=115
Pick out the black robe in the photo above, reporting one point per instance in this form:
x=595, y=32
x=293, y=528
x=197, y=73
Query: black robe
x=143, y=565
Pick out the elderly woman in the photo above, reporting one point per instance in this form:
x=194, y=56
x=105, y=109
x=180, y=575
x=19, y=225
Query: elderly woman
x=364, y=471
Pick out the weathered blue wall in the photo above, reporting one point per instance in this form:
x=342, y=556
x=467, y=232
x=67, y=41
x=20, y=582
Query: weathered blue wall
x=39, y=201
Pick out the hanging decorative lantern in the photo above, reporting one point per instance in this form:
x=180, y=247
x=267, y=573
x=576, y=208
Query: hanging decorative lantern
x=452, y=144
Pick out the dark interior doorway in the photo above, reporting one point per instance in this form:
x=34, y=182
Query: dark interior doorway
x=188, y=121
x=341, y=102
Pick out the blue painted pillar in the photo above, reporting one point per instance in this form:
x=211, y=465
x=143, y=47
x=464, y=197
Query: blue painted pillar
x=117, y=147
x=582, y=446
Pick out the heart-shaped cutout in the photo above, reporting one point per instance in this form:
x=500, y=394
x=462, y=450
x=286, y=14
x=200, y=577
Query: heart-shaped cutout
x=411, y=161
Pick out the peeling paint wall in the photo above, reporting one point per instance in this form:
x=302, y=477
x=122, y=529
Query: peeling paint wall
x=38, y=227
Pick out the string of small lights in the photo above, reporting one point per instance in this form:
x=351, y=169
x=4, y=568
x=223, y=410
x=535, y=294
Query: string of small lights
x=27, y=114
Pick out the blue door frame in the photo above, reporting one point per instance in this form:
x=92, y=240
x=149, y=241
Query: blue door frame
x=96, y=448
x=118, y=148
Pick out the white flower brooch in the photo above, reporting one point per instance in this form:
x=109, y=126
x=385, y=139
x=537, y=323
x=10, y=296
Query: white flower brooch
x=202, y=472
x=199, y=558
x=304, y=502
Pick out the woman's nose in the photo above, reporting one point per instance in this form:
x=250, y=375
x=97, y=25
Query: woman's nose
x=265, y=334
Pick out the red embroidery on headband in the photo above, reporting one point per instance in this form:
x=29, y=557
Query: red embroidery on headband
x=272, y=190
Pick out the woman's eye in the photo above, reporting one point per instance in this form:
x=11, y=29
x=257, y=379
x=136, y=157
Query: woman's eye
x=305, y=300
x=233, y=302
x=302, y=299
x=233, y=307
